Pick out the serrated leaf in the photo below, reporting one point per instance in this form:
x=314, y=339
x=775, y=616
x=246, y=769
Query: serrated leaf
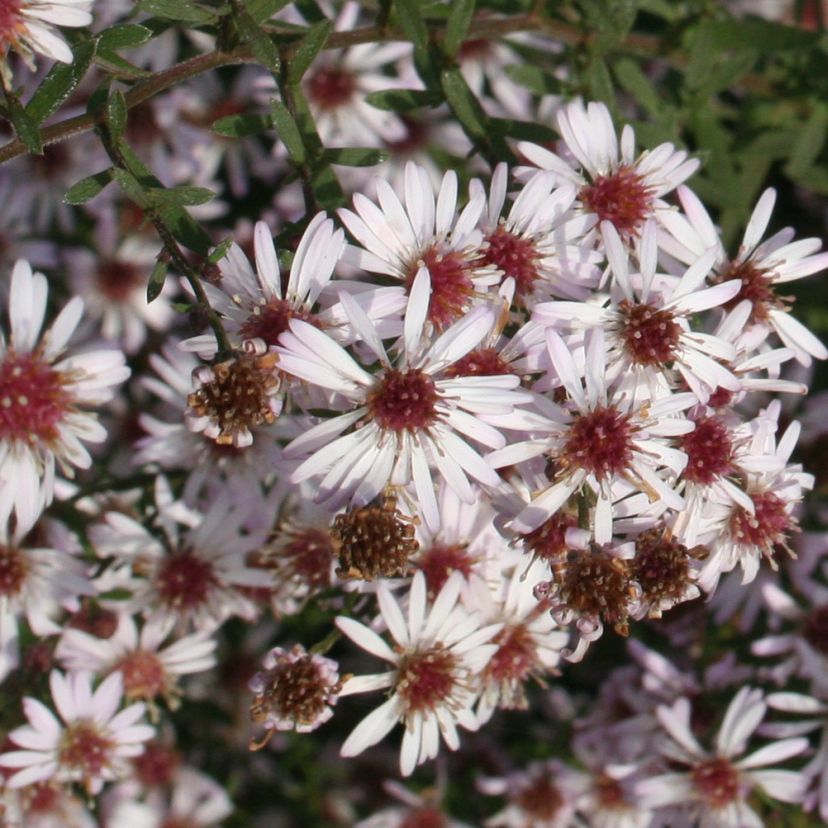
x=124, y=36
x=156, y=280
x=457, y=25
x=59, y=84
x=182, y=11
x=535, y=79
x=309, y=47
x=262, y=10
x=24, y=125
x=87, y=188
x=182, y=196
x=402, y=100
x=355, y=156
x=220, y=251
x=263, y=48
x=242, y=126
x=288, y=131
x=116, y=113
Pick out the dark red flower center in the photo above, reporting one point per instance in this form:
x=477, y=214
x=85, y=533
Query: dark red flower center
x=599, y=442
x=185, y=581
x=623, y=198
x=709, y=451
x=331, y=87
x=13, y=570
x=757, y=288
x=451, y=284
x=117, y=279
x=717, y=781
x=269, y=321
x=83, y=747
x=650, y=335
x=516, y=256
x=403, y=401
x=767, y=527
x=440, y=560
x=425, y=680
x=143, y=674
x=482, y=362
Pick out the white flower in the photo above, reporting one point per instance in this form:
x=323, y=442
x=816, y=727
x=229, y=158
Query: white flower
x=91, y=744
x=759, y=265
x=612, y=183
x=27, y=29
x=42, y=396
x=715, y=787
x=149, y=667
x=438, y=654
x=404, y=419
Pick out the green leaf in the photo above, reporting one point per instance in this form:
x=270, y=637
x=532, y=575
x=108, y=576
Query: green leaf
x=309, y=47
x=634, y=81
x=413, y=25
x=116, y=113
x=457, y=25
x=403, y=100
x=534, y=78
x=87, y=188
x=355, y=156
x=288, y=131
x=263, y=48
x=123, y=36
x=599, y=83
x=523, y=130
x=183, y=11
x=220, y=251
x=809, y=142
x=24, y=125
x=182, y=196
x=116, y=66
x=241, y=126
x=132, y=187
x=156, y=280
x=753, y=34
x=262, y=10
x=59, y=84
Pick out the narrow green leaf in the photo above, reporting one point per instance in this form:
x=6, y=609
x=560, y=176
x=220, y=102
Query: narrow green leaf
x=534, y=78
x=59, y=84
x=116, y=113
x=523, y=130
x=755, y=35
x=87, y=188
x=599, y=81
x=241, y=126
x=156, y=280
x=810, y=141
x=263, y=48
x=24, y=125
x=634, y=81
x=355, y=156
x=288, y=131
x=123, y=36
x=309, y=47
x=183, y=11
x=186, y=229
x=131, y=187
x=403, y=100
x=220, y=251
x=457, y=25
x=113, y=64
x=413, y=24
x=182, y=196
x=262, y=10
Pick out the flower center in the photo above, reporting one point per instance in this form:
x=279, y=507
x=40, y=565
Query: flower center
x=33, y=399
x=12, y=571
x=270, y=320
x=417, y=134
x=307, y=556
x=548, y=541
x=516, y=256
x=95, y=620
x=451, y=284
x=373, y=541
x=84, y=748
x=513, y=662
x=426, y=680
x=403, y=401
x=157, y=765
x=599, y=442
x=766, y=528
x=709, y=451
x=610, y=794
x=482, y=362
x=757, y=288
x=117, y=280
x=816, y=629
x=650, y=335
x=143, y=674
x=717, y=781
x=235, y=396
x=331, y=87
x=424, y=818
x=661, y=567
x=440, y=560
x=622, y=198
x=184, y=581
x=11, y=21
x=539, y=799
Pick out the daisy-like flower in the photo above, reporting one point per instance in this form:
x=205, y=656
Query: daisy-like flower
x=295, y=691
x=92, y=743
x=150, y=667
x=438, y=654
x=400, y=238
x=647, y=326
x=26, y=27
x=195, y=574
x=613, y=184
x=714, y=788
x=759, y=265
x=539, y=243
x=404, y=419
x=37, y=583
x=597, y=439
x=44, y=805
x=42, y=396
x=421, y=809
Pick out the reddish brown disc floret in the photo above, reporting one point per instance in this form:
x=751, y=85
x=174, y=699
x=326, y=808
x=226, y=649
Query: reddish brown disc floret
x=622, y=198
x=426, y=680
x=709, y=451
x=403, y=401
x=331, y=87
x=599, y=442
x=650, y=335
